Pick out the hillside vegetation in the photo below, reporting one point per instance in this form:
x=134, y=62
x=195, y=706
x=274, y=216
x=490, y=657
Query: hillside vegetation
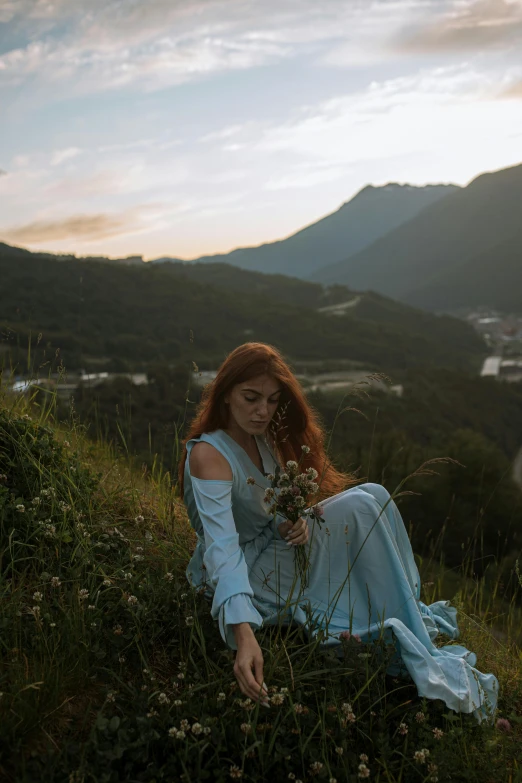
x=131, y=316
x=112, y=669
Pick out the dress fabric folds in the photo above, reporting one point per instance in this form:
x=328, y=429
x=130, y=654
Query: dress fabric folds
x=363, y=576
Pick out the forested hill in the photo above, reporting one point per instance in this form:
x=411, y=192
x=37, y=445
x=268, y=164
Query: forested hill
x=370, y=214
x=453, y=248
x=167, y=313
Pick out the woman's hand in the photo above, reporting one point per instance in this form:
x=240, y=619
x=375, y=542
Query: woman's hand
x=295, y=533
x=248, y=657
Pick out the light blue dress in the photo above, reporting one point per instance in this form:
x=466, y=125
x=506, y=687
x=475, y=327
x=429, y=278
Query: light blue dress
x=363, y=576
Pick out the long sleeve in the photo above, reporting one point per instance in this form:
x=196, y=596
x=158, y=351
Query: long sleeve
x=225, y=563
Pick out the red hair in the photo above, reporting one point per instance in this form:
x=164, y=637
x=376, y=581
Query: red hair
x=294, y=424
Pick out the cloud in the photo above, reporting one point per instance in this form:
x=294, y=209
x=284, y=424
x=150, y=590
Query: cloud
x=3, y=173
x=85, y=228
x=472, y=25
x=59, y=156
x=513, y=91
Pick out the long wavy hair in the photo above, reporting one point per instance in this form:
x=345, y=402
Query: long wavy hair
x=294, y=424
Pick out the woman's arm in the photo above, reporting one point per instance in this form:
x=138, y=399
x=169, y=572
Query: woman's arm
x=225, y=563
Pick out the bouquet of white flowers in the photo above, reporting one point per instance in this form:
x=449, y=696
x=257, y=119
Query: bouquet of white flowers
x=289, y=495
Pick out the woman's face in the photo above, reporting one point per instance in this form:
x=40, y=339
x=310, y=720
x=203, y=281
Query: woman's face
x=253, y=403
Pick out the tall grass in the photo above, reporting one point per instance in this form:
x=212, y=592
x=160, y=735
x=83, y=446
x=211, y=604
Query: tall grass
x=112, y=669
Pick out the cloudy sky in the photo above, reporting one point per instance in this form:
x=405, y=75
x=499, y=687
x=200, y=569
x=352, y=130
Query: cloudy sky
x=183, y=127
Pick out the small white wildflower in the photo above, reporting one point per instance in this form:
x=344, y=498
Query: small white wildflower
x=421, y=755
x=173, y=731
x=250, y=480
x=221, y=697
x=305, y=449
x=438, y=733
x=138, y=558
x=20, y=507
x=55, y=581
x=197, y=728
x=339, y=751
x=121, y=659
x=107, y=583
x=316, y=767
x=207, y=730
x=364, y=758
x=132, y=600
x=53, y=625
x=235, y=772
x=127, y=575
x=184, y=724
x=139, y=518
x=189, y=620
x=177, y=702
x=420, y=717
x=37, y=596
x=117, y=630
x=168, y=576
x=83, y=594
x=246, y=728
x=36, y=611
x=111, y=697
x=364, y=772
x=93, y=625
x=163, y=698
x=403, y=728
x=91, y=607
x=152, y=713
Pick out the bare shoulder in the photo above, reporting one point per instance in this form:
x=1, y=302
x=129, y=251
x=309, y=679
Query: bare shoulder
x=206, y=462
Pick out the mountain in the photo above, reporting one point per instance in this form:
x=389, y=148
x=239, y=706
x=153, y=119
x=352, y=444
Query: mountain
x=443, y=246
x=370, y=214
x=105, y=314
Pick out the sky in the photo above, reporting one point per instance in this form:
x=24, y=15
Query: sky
x=191, y=127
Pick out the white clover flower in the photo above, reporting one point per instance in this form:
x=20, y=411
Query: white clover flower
x=111, y=697
x=152, y=713
x=55, y=581
x=132, y=600
x=305, y=449
x=438, y=733
x=197, y=728
x=36, y=611
x=189, y=620
x=250, y=480
x=364, y=772
x=246, y=728
x=316, y=767
x=127, y=575
x=364, y=758
x=207, y=730
x=36, y=501
x=339, y=751
x=139, y=518
x=403, y=728
x=173, y=731
x=421, y=755
x=121, y=658
x=148, y=535
x=50, y=531
x=291, y=464
x=107, y=583
x=221, y=697
x=163, y=698
x=117, y=630
x=53, y=625
x=20, y=507
x=283, y=690
x=83, y=594
x=177, y=702
x=420, y=717
x=277, y=699
x=168, y=576
x=37, y=596
x=184, y=724
x=137, y=558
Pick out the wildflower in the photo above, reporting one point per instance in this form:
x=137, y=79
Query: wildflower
x=221, y=697
x=277, y=699
x=148, y=535
x=168, y=576
x=137, y=558
x=421, y=755
x=53, y=625
x=197, y=728
x=83, y=594
x=246, y=728
x=127, y=575
x=318, y=511
x=36, y=501
x=93, y=625
x=300, y=709
x=132, y=600
x=117, y=630
x=364, y=758
x=503, y=724
x=364, y=772
x=438, y=733
x=20, y=508
x=106, y=582
x=339, y=751
x=250, y=480
x=207, y=730
x=91, y=607
x=181, y=675
x=305, y=449
x=121, y=659
x=163, y=698
x=37, y=596
x=291, y=464
x=66, y=444
x=420, y=717
x=184, y=724
x=332, y=780
x=111, y=697
x=152, y=713
x=348, y=712
x=189, y=620
x=235, y=772
x=357, y=637
x=270, y=477
x=177, y=702
x=403, y=728
x=36, y=611
x=139, y=518
x=283, y=690
x=55, y=581
x=432, y=768
x=316, y=767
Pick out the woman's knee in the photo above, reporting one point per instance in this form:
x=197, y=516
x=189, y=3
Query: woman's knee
x=379, y=492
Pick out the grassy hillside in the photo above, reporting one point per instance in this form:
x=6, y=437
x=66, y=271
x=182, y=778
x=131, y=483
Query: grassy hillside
x=136, y=315
x=112, y=669
x=444, y=236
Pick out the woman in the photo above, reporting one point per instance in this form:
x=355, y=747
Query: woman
x=363, y=577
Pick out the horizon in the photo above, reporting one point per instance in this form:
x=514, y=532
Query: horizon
x=198, y=128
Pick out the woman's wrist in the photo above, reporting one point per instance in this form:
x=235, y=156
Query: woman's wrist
x=242, y=631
